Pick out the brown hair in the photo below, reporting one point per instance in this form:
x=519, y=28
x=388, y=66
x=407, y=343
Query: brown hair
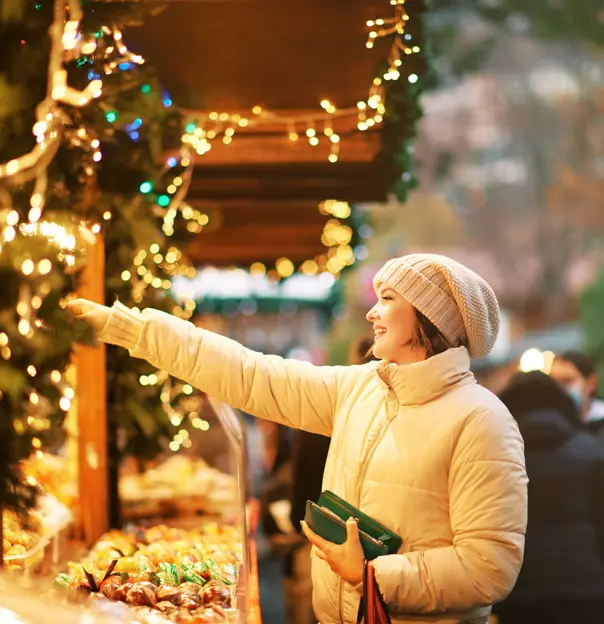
x=365, y=350
x=427, y=336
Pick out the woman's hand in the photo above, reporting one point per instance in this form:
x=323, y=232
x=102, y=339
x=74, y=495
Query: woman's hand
x=95, y=314
x=347, y=560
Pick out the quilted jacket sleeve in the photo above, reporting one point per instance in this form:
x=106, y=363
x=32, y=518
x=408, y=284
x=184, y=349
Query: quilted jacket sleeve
x=488, y=511
x=294, y=393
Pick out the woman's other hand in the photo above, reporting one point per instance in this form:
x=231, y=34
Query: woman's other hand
x=95, y=314
x=347, y=560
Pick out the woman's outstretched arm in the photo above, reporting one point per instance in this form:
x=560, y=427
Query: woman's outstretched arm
x=294, y=393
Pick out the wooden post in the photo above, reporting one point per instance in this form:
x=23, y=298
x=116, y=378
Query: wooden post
x=89, y=364
x=1, y=538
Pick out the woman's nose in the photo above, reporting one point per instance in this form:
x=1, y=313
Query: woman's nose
x=372, y=314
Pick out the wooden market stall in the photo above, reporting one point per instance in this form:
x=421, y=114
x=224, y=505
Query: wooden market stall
x=285, y=87
x=290, y=69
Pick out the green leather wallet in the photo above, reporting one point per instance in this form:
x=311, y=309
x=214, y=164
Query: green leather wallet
x=327, y=518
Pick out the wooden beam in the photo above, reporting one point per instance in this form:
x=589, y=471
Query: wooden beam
x=261, y=234
x=91, y=410
x=243, y=244
x=352, y=182
x=273, y=214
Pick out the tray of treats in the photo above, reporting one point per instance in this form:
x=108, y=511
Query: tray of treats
x=32, y=606
x=186, y=576
x=23, y=540
x=177, y=486
x=26, y=536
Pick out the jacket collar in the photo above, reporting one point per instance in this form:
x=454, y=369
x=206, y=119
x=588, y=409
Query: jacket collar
x=421, y=382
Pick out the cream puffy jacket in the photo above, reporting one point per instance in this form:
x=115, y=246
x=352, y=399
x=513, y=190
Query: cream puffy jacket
x=422, y=448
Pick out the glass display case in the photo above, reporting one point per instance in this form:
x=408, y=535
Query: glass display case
x=185, y=552
x=186, y=529
x=202, y=483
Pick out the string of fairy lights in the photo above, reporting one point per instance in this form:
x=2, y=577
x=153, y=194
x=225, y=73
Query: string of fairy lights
x=206, y=128
x=66, y=43
x=336, y=237
x=69, y=43
x=51, y=128
x=152, y=267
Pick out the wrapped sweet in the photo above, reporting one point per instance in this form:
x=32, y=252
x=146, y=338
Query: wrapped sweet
x=168, y=593
x=216, y=592
x=79, y=592
x=169, y=609
x=91, y=581
x=116, y=542
x=136, y=577
x=190, y=601
x=121, y=592
x=127, y=564
x=142, y=595
x=150, y=586
x=209, y=616
x=20, y=533
x=110, y=586
x=216, y=609
x=189, y=588
x=169, y=574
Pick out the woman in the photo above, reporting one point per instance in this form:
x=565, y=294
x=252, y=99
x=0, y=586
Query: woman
x=562, y=579
x=415, y=442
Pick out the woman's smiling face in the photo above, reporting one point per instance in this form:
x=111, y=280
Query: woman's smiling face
x=394, y=325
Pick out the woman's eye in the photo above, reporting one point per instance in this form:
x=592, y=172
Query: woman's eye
x=387, y=298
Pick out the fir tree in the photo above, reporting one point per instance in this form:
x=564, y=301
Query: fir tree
x=108, y=170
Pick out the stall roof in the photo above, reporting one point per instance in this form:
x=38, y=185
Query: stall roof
x=286, y=56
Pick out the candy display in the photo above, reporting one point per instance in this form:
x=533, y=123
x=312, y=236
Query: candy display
x=178, y=486
x=20, y=534
x=32, y=606
x=188, y=576
x=26, y=536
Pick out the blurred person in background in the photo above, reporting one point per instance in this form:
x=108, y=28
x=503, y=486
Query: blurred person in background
x=416, y=443
x=562, y=577
x=577, y=373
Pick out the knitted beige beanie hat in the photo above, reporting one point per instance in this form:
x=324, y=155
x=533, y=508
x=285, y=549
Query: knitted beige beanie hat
x=458, y=301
